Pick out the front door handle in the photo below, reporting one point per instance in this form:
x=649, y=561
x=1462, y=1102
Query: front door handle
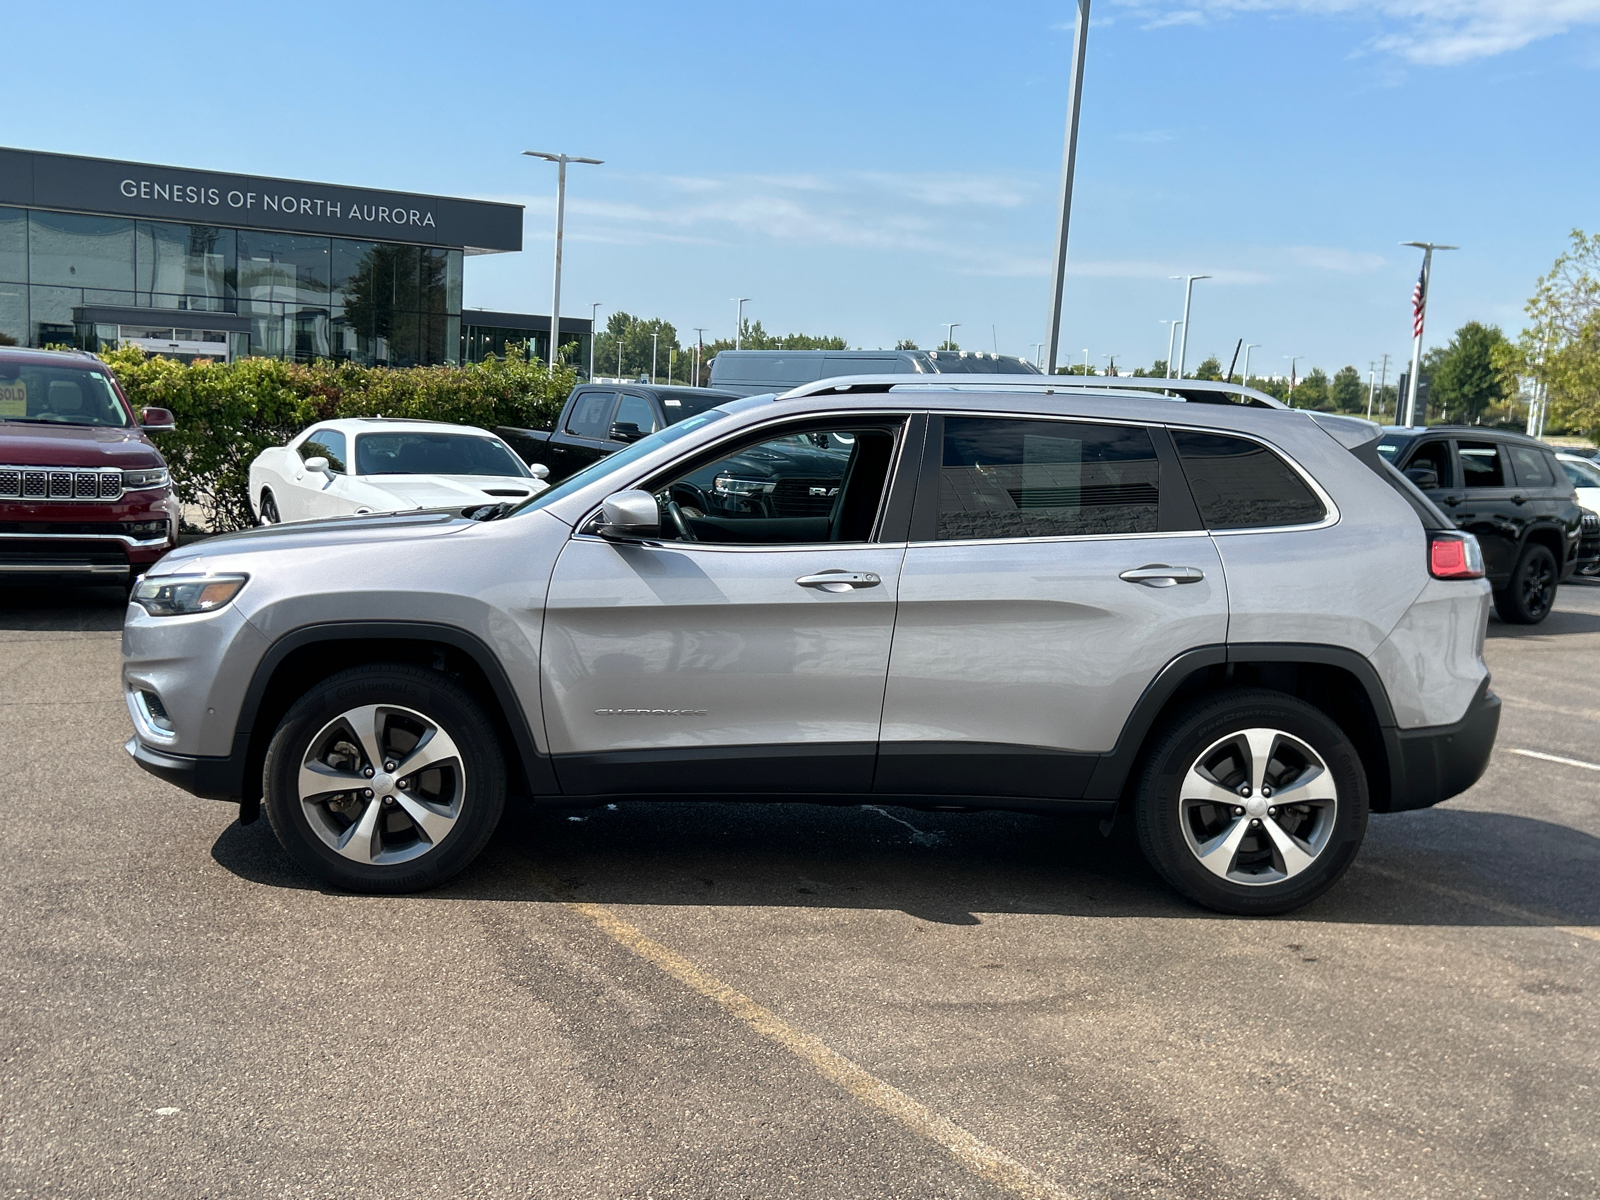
x=839, y=581
x=1519, y=499
x=1452, y=500
x=1160, y=575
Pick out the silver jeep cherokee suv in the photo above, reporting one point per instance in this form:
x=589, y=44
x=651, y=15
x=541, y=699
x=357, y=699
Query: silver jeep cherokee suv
x=1233, y=623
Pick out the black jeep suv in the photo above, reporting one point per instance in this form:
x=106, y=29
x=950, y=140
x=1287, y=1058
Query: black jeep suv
x=1507, y=489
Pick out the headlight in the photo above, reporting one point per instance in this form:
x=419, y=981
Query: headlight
x=179, y=595
x=727, y=485
x=144, y=481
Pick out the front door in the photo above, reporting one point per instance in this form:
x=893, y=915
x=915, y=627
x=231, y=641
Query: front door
x=1055, y=568
x=744, y=651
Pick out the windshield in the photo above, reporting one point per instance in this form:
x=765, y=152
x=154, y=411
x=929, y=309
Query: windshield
x=619, y=460
x=435, y=454
x=58, y=396
x=1390, y=447
x=680, y=405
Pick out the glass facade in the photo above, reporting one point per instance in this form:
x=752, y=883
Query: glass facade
x=280, y=295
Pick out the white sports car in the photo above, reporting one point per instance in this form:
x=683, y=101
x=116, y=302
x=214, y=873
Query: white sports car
x=381, y=464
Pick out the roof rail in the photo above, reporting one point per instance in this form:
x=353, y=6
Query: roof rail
x=1194, y=391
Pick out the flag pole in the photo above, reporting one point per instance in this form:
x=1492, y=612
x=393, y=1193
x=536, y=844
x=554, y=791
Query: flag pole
x=1419, y=311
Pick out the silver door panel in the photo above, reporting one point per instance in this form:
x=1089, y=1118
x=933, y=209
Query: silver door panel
x=1039, y=642
x=714, y=646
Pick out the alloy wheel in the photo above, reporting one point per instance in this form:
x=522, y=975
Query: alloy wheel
x=381, y=784
x=1538, y=585
x=269, y=509
x=1258, y=806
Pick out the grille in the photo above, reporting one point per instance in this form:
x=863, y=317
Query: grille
x=1591, y=524
x=60, y=483
x=801, y=498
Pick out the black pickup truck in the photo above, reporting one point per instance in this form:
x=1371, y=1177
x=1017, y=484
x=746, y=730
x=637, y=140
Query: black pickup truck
x=602, y=418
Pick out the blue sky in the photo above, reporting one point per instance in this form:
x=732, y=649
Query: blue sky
x=874, y=170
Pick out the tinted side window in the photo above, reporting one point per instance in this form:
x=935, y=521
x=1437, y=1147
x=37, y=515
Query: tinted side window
x=591, y=414
x=1481, y=465
x=1016, y=479
x=1240, y=484
x=1435, y=457
x=1530, y=466
x=328, y=444
x=636, y=410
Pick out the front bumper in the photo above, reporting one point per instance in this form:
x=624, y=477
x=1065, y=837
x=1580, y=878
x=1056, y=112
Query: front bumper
x=208, y=778
x=1432, y=764
x=89, y=542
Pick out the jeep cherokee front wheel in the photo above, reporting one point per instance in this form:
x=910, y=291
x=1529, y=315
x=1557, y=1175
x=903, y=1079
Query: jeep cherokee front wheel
x=384, y=779
x=1252, y=802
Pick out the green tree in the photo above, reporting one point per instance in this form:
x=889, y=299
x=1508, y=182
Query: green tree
x=1312, y=391
x=1468, y=384
x=1347, y=391
x=905, y=344
x=1560, y=347
x=1211, y=368
x=754, y=337
x=1156, y=370
x=633, y=337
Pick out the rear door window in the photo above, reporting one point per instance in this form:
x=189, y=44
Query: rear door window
x=1531, y=468
x=591, y=414
x=1028, y=479
x=1240, y=484
x=1481, y=465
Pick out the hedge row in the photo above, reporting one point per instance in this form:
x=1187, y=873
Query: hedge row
x=227, y=413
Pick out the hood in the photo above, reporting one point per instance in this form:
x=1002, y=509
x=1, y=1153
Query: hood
x=298, y=535
x=26, y=444
x=444, y=491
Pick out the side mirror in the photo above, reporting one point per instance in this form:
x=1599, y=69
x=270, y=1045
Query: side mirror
x=157, y=420
x=630, y=514
x=626, y=431
x=1424, y=477
x=539, y=470
x=317, y=464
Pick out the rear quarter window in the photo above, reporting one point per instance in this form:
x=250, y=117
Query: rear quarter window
x=1240, y=484
x=1531, y=466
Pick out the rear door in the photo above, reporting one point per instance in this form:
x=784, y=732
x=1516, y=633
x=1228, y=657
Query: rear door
x=1055, y=567
x=1493, y=511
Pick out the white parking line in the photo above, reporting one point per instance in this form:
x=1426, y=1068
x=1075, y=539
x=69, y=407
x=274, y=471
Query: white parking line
x=1556, y=758
x=977, y=1156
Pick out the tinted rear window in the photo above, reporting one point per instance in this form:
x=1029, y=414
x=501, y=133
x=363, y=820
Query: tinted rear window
x=766, y=368
x=1239, y=484
x=1531, y=468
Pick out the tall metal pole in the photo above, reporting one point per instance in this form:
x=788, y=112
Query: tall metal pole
x=654, y=339
x=1069, y=159
x=594, y=311
x=1419, y=313
x=699, y=351
x=1383, y=382
x=1086, y=360
x=1172, y=337
x=1183, y=342
x=1292, y=380
x=1038, y=354
x=738, y=330
x=1244, y=376
x=561, y=161
x=1372, y=385
x=950, y=333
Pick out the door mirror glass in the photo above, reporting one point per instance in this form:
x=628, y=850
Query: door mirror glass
x=629, y=514
x=1424, y=477
x=157, y=420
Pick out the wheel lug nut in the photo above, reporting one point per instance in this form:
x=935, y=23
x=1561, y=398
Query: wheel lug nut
x=1254, y=823
x=388, y=800
x=404, y=784
x=1272, y=812
x=388, y=766
x=1244, y=789
x=1266, y=791
x=367, y=772
x=1238, y=812
x=366, y=793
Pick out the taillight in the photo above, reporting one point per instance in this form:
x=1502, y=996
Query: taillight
x=1454, y=556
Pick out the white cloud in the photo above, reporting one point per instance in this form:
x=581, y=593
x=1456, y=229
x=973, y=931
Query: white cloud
x=1427, y=32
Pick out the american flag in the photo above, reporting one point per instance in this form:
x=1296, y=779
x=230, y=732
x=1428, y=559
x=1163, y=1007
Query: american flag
x=1419, y=302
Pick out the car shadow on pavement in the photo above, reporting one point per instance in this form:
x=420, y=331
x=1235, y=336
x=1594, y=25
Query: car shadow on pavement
x=1448, y=867
x=1558, y=623
x=58, y=609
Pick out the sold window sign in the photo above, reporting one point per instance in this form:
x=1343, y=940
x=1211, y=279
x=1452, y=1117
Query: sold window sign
x=13, y=398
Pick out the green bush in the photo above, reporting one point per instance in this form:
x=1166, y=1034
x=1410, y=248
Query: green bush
x=227, y=413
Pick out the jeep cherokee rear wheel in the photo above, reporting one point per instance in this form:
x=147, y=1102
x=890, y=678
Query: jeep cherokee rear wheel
x=1252, y=802
x=384, y=779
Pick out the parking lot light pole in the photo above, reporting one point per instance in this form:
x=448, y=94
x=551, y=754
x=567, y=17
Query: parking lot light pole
x=561, y=161
x=1183, y=342
x=950, y=328
x=1172, y=339
x=1244, y=376
x=594, y=311
x=654, y=340
x=1038, y=354
x=738, y=329
x=1069, y=161
x=699, y=352
x=1419, y=308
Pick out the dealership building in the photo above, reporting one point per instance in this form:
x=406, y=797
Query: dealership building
x=97, y=253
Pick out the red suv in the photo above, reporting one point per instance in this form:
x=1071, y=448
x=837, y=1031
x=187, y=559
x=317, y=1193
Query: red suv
x=84, y=495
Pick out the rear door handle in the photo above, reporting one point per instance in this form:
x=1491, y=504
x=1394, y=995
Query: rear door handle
x=1160, y=575
x=1519, y=499
x=839, y=581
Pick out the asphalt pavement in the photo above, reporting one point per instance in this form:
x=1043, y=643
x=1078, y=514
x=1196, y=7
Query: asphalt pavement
x=708, y=1000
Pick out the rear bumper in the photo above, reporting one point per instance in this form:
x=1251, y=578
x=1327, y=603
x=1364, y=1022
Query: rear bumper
x=1432, y=764
x=208, y=778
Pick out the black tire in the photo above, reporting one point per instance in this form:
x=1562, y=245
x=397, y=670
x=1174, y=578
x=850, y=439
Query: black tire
x=401, y=693
x=1530, y=593
x=1203, y=733
x=269, y=508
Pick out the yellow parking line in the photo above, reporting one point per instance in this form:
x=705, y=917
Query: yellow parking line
x=976, y=1156
x=1505, y=910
